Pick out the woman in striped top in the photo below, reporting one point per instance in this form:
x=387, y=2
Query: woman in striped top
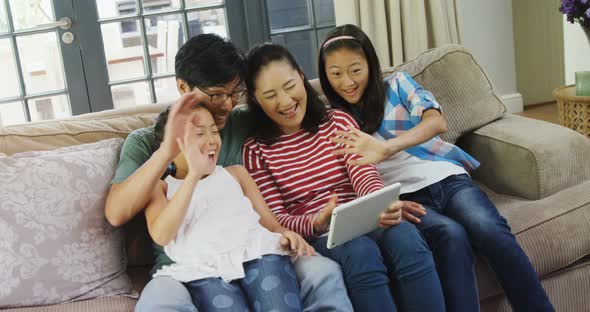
x=290, y=158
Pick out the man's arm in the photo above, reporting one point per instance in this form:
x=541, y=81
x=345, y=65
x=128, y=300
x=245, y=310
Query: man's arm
x=131, y=196
x=128, y=198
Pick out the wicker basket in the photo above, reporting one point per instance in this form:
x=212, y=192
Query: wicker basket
x=574, y=111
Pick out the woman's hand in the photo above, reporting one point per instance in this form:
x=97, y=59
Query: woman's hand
x=198, y=162
x=357, y=142
x=322, y=219
x=392, y=215
x=296, y=244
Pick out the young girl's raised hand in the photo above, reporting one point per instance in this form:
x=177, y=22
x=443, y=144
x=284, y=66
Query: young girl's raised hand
x=197, y=160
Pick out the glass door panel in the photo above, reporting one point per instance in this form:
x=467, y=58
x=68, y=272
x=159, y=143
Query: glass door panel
x=140, y=39
x=36, y=84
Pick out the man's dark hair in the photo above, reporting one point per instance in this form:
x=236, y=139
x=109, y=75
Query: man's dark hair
x=265, y=129
x=370, y=113
x=207, y=60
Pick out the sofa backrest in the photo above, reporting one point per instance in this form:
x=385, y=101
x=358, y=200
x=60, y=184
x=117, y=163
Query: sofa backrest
x=459, y=84
x=88, y=128
x=450, y=73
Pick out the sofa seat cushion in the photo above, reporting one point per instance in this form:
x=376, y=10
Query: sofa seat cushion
x=553, y=231
x=56, y=243
x=110, y=304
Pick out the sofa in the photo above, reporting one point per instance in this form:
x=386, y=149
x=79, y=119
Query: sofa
x=537, y=173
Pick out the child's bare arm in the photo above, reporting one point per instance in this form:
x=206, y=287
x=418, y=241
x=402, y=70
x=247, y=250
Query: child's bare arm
x=164, y=217
x=291, y=240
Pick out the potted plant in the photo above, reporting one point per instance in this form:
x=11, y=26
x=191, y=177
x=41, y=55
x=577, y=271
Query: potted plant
x=577, y=11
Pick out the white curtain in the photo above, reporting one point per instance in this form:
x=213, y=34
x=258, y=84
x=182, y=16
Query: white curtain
x=402, y=29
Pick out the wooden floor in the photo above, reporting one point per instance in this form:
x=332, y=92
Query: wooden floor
x=547, y=112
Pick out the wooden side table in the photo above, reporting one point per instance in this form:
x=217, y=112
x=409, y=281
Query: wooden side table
x=574, y=111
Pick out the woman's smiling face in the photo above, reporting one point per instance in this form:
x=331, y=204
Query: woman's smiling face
x=281, y=94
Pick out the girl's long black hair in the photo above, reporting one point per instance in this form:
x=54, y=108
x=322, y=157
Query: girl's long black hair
x=370, y=110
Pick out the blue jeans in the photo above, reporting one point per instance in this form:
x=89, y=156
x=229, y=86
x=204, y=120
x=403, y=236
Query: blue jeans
x=269, y=284
x=320, y=279
x=400, y=252
x=460, y=216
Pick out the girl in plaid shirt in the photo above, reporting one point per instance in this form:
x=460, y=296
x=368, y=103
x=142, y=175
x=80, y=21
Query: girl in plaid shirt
x=400, y=123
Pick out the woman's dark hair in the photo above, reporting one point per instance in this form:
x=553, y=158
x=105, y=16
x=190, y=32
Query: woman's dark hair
x=207, y=60
x=371, y=109
x=264, y=128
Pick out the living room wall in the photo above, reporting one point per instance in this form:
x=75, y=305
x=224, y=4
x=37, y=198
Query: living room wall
x=488, y=33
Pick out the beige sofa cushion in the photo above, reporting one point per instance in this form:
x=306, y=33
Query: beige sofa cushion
x=56, y=243
x=459, y=84
x=49, y=135
x=528, y=158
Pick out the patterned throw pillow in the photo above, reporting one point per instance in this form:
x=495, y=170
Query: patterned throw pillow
x=55, y=243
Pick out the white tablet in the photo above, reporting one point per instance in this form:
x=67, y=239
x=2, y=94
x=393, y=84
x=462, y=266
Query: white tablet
x=360, y=216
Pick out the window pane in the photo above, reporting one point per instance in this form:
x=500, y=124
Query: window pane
x=12, y=113
x=208, y=21
x=321, y=35
x=9, y=78
x=123, y=47
x=3, y=18
x=41, y=63
x=300, y=45
x=166, y=90
x=49, y=108
x=286, y=14
x=30, y=13
x=200, y=3
x=131, y=94
x=324, y=12
x=165, y=36
x=160, y=5
x=114, y=8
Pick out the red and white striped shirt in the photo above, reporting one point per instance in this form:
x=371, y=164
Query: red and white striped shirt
x=298, y=174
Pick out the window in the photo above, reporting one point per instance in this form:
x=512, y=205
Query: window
x=301, y=25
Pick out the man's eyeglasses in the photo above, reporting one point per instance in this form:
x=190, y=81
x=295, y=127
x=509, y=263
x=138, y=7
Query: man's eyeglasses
x=220, y=98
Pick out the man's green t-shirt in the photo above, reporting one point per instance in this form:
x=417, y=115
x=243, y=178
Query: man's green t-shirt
x=141, y=144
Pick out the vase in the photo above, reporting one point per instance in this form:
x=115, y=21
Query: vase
x=583, y=77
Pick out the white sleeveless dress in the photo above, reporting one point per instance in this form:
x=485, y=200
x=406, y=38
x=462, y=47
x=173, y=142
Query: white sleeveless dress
x=219, y=232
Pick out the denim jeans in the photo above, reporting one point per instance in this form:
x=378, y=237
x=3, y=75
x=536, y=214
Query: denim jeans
x=460, y=216
x=320, y=279
x=269, y=284
x=400, y=252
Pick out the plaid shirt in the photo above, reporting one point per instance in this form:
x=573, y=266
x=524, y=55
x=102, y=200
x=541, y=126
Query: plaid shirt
x=406, y=101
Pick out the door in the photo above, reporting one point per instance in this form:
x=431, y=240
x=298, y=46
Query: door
x=36, y=84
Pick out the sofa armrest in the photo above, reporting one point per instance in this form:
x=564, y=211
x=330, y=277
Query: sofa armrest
x=528, y=158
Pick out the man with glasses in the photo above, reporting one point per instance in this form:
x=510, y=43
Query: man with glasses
x=208, y=70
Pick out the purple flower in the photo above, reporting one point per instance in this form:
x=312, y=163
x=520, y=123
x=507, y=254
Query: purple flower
x=576, y=11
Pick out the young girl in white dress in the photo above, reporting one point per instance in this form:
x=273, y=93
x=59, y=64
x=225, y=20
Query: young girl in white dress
x=228, y=248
